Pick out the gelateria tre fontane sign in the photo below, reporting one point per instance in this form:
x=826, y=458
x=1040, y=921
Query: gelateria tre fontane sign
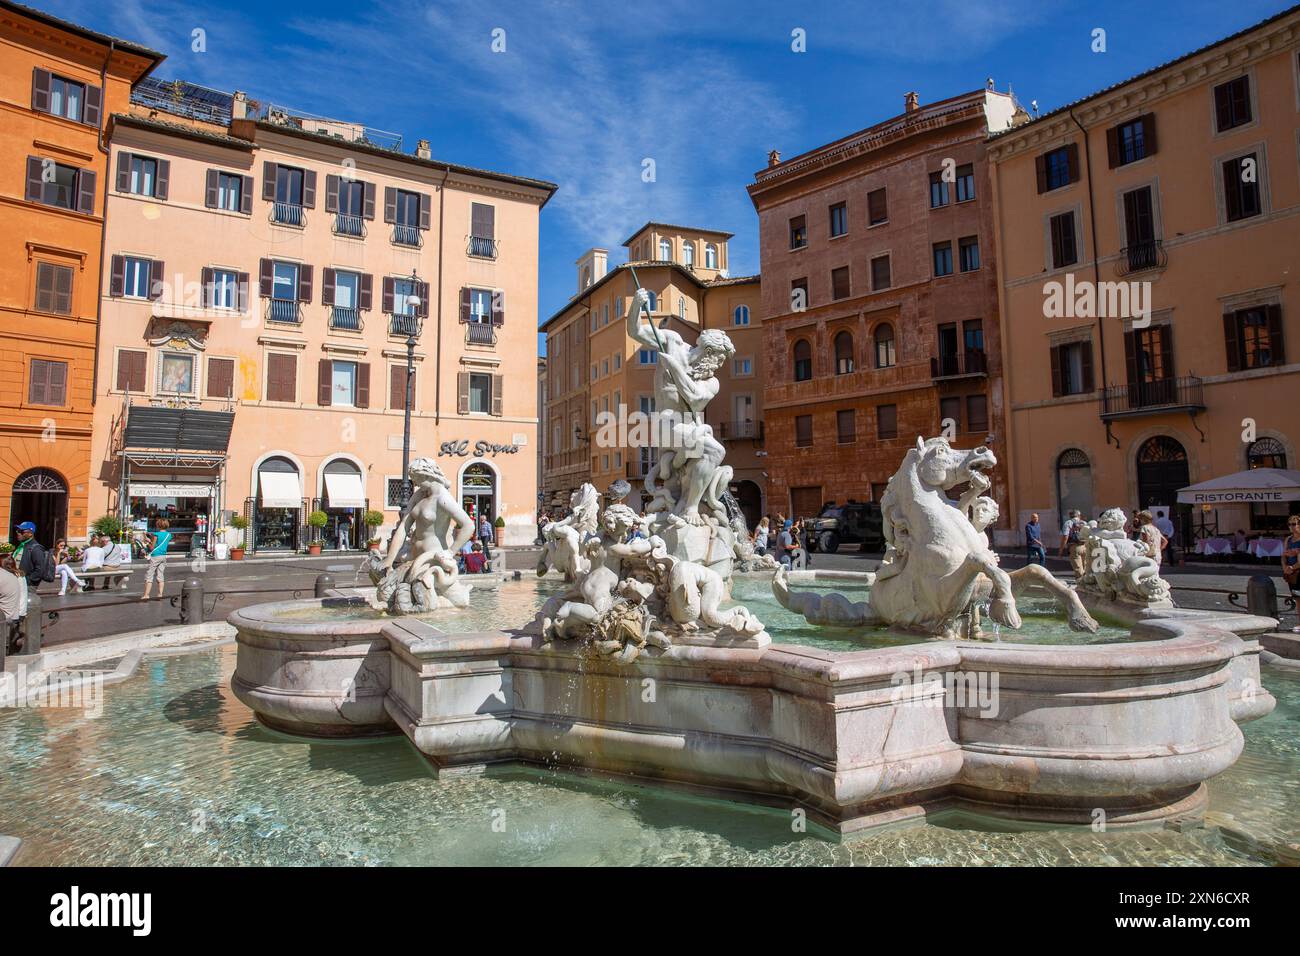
x=480, y=449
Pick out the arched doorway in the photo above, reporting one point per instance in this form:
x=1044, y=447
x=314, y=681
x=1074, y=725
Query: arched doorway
x=1161, y=471
x=478, y=492
x=40, y=496
x=1268, y=515
x=344, y=500
x=277, y=509
x=750, y=498
x=1074, y=484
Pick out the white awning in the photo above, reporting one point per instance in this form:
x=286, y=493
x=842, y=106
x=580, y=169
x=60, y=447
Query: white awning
x=1254, y=485
x=280, y=489
x=345, y=491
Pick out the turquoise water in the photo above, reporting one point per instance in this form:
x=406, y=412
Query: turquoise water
x=177, y=771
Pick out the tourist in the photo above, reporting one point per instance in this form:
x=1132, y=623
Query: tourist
x=63, y=567
x=475, y=562
x=31, y=557
x=1150, y=535
x=1239, y=540
x=1072, y=536
x=157, y=545
x=92, y=559
x=345, y=532
x=1291, y=553
x=804, y=535
x=13, y=596
x=760, y=537
x=787, y=550
x=1166, y=528
x=1034, y=542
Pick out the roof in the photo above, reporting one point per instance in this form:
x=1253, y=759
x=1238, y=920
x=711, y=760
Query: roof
x=182, y=130
x=669, y=225
x=1146, y=73
x=86, y=32
x=731, y=280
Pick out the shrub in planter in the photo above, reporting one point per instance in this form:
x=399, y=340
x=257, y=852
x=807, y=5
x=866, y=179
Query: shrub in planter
x=110, y=525
x=373, y=519
x=317, y=520
x=240, y=524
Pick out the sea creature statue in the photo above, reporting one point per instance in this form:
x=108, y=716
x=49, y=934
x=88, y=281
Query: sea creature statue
x=419, y=572
x=937, y=562
x=562, y=540
x=1120, y=568
x=693, y=594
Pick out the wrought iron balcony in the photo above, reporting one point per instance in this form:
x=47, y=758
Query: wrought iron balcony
x=734, y=431
x=404, y=235
x=353, y=226
x=1145, y=398
x=1142, y=256
x=482, y=247
x=480, y=333
x=346, y=319
x=288, y=214
x=288, y=311
x=404, y=325
x=970, y=362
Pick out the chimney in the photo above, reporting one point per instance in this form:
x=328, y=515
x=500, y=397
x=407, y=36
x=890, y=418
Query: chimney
x=773, y=158
x=422, y=149
x=911, y=102
x=239, y=105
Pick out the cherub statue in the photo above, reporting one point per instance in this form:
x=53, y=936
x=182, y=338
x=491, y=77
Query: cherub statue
x=1119, y=567
x=562, y=540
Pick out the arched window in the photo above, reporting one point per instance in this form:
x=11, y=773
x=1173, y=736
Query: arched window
x=741, y=315
x=1074, y=483
x=843, y=353
x=1266, y=453
x=710, y=256
x=802, y=361
x=885, y=357
x=688, y=253
x=665, y=250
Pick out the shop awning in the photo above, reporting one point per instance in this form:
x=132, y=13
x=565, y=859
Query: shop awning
x=185, y=429
x=345, y=491
x=280, y=489
x=1255, y=485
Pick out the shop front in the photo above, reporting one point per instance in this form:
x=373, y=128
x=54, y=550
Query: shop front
x=478, y=492
x=277, y=511
x=344, y=502
x=188, y=508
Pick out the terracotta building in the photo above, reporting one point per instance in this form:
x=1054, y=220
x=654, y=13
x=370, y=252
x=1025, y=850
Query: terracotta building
x=594, y=367
x=879, y=301
x=263, y=271
x=59, y=83
x=1149, y=238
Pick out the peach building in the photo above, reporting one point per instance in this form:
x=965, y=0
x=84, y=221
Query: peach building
x=58, y=84
x=262, y=276
x=1174, y=200
x=594, y=367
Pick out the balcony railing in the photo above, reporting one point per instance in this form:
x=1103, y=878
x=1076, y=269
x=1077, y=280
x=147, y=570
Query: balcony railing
x=1167, y=394
x=404, y=235
x=970, y=362
x=288, y=214
x=638, y=469
x=349, y=320
x=1142, y=256
x=484, y=248
x=353, y=226
x=404, y=325
x=480, y=333
x=734, y=431
x=288, y=311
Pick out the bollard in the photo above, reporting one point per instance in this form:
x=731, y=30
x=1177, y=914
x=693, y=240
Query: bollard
x=1261, y=596
x=192, y=602
x=324, y=584
x=32, y=624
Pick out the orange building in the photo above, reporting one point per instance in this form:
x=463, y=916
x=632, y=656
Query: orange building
x=59, y=83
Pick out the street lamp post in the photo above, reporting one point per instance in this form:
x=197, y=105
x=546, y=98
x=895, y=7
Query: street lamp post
x=413, y=324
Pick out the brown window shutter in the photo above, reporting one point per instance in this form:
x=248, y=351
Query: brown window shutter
x=221, y=378
x=160, y=183
x=426, y=206
x=1040, y=167
x=497, y=381
x=1112, y=146
x=63, y=290
x=45, y=287
x=41, y=90
x=482, y=220
x=123, y=172
x=390, y=204
x=58, y=383
x=1085, y=366
x=387, y=302
x=309, y=189
x=1276, y=345
x=327, y=287
x=363, y=385
x=35, y=184
x=499, y=307
x=205, y=283
x=397, y=387
x=282, y=377
x=304, y=283
x=157, y=276
x=241, y=286
x=1232, y=190
x=265, y=278
x=1165, y=335
x=331, y=193
x=269, y=175
x=366, y=296
x=130, y=370
x=246, y=196
x=94, y=107
x=465, y=294
x=368, y=201
x=324, y=381
x=117, y=276
x=462, y=393
x=1149, y=133
x=1130, y=358
x=422, y=290
x=1222, y=106
x=1072, y=161
x=86, y=191
x=1057, y=387
x=1231, y=344
x=210, y=189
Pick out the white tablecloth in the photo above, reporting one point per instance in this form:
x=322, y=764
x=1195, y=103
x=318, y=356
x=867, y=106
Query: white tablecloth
x=1214, y=546
x=1266, y=547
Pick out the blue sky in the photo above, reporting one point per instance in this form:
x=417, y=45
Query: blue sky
x=586, y=90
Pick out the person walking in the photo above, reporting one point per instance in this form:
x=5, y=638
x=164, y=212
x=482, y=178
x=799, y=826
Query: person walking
x=157, y=545
x=1034, y=542
x=63, y=568
x=345, y=533
x=1166, y=528
x=760, y=537
x=785, y=547
x=1150, y=536
x=1072, y=544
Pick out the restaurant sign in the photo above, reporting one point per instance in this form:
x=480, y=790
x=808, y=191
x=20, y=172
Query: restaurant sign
x=139, y=489
x=481, y=449
x=1226, y=497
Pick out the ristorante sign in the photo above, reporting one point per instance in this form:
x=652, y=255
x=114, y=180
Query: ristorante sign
x=481, y=448
x=1226, y=497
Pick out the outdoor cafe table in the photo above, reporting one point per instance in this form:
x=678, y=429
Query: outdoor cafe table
x=1214, y=546
x=1266, y=547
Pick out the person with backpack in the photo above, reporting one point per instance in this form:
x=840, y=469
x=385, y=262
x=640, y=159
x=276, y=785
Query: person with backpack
x=33, y=559
x=157, y=544
x=1072, y=544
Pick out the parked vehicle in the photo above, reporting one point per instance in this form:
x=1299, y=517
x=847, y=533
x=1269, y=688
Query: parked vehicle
x=854, y=522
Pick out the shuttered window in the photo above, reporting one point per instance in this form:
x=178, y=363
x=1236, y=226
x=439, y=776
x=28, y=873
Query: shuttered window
x=221, y=378
x=131, y=370
x=1072, y=369
x=1241, y=196
x=886, y=421
x=48, y=384
x=281, y=377
x=1058, y=167
x=69, y=99
x=840, y=283
x=1253, y=337
x=977, y=413
x=397, y=386
x=53, y=288
x=803, y=431
x=1064, y=248
x=1232, y=104
x=877, y=207
x=54, y=184
x=880, y=278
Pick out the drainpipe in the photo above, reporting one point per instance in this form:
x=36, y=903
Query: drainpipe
x=103, y=226
x=437, y=374
x=1096, y=271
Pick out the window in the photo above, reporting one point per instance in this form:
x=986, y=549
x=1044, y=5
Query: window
x=977, y=413
x=839, y=219
x=60, y=96
x=972, y=331
x=230, y=192
x=880, y=278
x=742, y=367
x=405, y=292
x=803, y=431
x=799, y=294
x=393, y=492
x=840, y=283
x=55, y=184
x=175, y=374
x=653, y=304
x=802, y=361
x=665, y=250
x=845, y=426
x=1232, y=104
x=131, y=370
x=1148, y=358
x=53, y=288
x=1065, y=250
x=688, y=253
x=1139, y=221
x=710, y=256
x=950, y=410
x=1253, y=337
x=798, y=232
x=1131, y=141
x=284, y=284
x=647, y=356
x=1265, y=453
x=141, y=174
x=291, y=190
x=595, y=371
x=405, y=212
x=886, y=421
x=604, y=367
x=618, y=361
x=343, y=383
x=966, y=182
x=1058, y=168
x=843, y=353
x=221, y=378
x=1072, y=369
x=480, y=392
x=135, y=281
x=942, y=259
x=885, y=357
x=877, y=207
x=48, y=384
x=225, y=289
x=1241, y=197
x=67, y=98
x=483, y=230
x=938, y=190
x=740, y=315
x=480, y=305
x=969, y=253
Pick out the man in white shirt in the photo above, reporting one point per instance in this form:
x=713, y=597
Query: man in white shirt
x=1166, y=528
x=92, y=559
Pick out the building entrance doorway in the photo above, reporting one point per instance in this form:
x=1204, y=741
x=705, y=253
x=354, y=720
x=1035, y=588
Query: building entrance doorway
x=41, y=497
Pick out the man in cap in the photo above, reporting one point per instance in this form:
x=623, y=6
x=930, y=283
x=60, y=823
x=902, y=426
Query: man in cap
x=29, y=555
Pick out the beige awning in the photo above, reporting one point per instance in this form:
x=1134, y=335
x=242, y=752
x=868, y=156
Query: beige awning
x=280, y=489
x=345, y=491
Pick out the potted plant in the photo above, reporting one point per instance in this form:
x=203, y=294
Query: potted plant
x=317, y=519
x=239, y=523
x=373, y=520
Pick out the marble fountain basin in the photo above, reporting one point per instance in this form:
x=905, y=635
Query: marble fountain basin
x=1125, y=733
